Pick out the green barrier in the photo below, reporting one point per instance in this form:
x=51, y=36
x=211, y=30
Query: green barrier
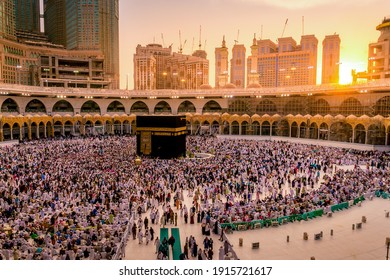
x=164, y=234
x=176, y=250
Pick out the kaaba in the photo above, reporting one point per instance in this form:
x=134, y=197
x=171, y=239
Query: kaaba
x=161, y=136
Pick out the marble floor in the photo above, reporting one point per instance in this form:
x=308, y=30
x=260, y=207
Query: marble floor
x=367, y=243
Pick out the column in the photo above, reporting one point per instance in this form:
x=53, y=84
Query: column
x=20, y=133
x=386, y=139
x=353, y=135
x=230, y=129
x=270, y=129
x=37, y=131
x=10, y=129
x=366, y=141
x=29, y=132
x=239, y=129
x=299, y=131
x=121, y=128
x=1, y=134
x=44, y=131
x=289, y=128
x=63, y=130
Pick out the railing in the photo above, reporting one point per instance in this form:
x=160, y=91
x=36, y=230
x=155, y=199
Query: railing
x=295, y=217
x=120, y=251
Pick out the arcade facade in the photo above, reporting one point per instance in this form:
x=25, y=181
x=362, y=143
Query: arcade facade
x=356, y=114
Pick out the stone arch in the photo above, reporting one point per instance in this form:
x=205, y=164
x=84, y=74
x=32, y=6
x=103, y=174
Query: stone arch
x=58, y=128
x=63, y=106
x=15, y=131
x=34, y=130
x=196, y=126
x=139, y=107
x=319, y=107
x=35, y=106
x=235, y=128
x=266, y=128
x=302, y=130
x=49, y=129
x=283, y=128
x=256, y=128
x=244, y=128
x=360, y=134
x=274, y=128
x=116, y=106
x=382, y=107
x=294, y=130
x=324, y=131
x=313, y=131
x=376, y=134
x=225, y=128
x=68, y=128
x=341, y=131
x=90, y=106
x=7, y=135
x=215, y=127
x=212, y=107
x=117, y=127
x=10, y=106
x=42, y=130
x=266, y=106
x=162, y=107
x=186, y=107
x=351, y=106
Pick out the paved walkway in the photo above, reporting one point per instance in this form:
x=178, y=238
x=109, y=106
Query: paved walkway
x=367, y=243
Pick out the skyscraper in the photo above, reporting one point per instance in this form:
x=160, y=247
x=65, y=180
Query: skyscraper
x=379, y=53
x=237, y=66
x=285, y=63
x=221, y=65
x=55, y=21
x=331, y=59
x=27, y=16
x=88, y=25
x=7, y=19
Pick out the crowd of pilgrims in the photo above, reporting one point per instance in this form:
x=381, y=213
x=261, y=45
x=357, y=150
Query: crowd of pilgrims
x=75, y=198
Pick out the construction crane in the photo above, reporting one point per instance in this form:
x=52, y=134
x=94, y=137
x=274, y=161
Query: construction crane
x=284, y=28
x=238, y=34
x=181, y=45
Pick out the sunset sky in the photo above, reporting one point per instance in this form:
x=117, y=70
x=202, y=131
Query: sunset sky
x=143, y=22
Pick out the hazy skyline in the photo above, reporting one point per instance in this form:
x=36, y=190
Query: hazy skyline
x=143, y=22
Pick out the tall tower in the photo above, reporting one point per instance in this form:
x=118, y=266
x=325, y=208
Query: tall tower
x=237, y=66
x=221, y=65
x=27, y=16
x=89, y=25
x=55, y=21
x=379, y=53
x=7, y=19
x=331, y=59
x=253, y=76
